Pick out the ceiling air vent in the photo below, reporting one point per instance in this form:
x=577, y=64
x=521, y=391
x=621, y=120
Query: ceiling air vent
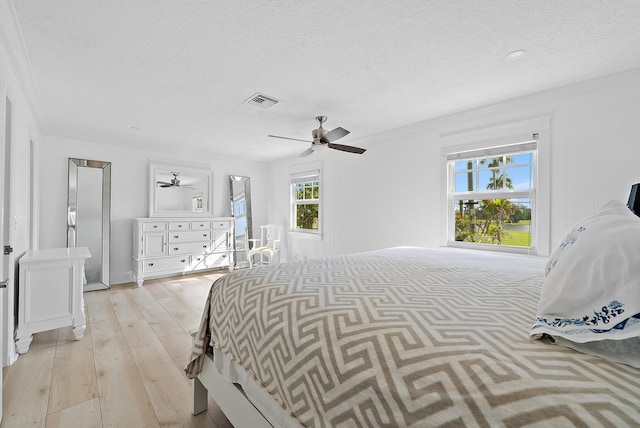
x=261, y=100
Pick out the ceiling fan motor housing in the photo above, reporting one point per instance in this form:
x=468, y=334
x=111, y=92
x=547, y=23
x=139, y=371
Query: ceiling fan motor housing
x=318, y=134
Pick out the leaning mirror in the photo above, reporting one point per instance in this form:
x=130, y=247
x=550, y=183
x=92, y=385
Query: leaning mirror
x=89, y=217
x=179, y=189
x=240, y=192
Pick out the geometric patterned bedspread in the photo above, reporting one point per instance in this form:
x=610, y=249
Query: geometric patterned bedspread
x=406, y=337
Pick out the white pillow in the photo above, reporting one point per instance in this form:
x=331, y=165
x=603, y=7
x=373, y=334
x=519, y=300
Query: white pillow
x=591, y=290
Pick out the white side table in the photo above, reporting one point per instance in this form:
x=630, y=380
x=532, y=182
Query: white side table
x=50, y=293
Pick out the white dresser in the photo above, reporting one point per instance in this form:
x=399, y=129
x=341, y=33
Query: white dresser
x=50, y=293
x=169, y=246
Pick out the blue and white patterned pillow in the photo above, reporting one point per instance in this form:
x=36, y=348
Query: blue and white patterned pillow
x=591, y=290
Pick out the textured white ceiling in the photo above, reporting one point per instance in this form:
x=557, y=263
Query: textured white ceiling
x=179, y=70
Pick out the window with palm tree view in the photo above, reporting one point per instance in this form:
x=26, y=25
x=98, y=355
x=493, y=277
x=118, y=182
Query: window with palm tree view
x=492, y=196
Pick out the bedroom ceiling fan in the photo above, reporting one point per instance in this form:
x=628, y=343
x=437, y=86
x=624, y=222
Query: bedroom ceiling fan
x=322, y=138
x=175, y=182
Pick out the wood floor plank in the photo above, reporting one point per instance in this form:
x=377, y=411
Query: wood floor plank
x=155, y=314
x=123, y=305
x=44, y=340
x=74, y=374
x=83, y=415
x=187, y=318
x=178, y=346
x=169, y=392
x=123, y=398
x=26, y=389
x=156, y=288
x=135, y=348
x=193, y=296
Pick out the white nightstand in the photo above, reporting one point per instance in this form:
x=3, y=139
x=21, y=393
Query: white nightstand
x=50, y=293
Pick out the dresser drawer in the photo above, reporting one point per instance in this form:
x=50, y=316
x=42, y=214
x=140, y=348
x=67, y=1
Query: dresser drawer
x=179, y=225
x=165, y=263
x=189, y=247
x=208, y=261
x=153, y=227
x=196, y=235
x=221, y=224
x=200, y=225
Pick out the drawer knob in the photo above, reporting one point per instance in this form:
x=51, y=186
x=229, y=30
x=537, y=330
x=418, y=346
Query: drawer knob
x=176, y=236
x=204, y=246
x=204, y=235
x=179, y=226
x=150, y=264
x=175, y=248
x=155, y=226
x=182, y=261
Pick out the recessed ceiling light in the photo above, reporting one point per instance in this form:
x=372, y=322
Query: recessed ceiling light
x=516, y=54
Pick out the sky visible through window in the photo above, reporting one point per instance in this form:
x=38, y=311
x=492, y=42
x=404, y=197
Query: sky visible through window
x=493, y=173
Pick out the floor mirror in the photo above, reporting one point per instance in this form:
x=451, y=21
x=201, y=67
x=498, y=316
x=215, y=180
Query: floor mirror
x=240, y=192
x=89, y=217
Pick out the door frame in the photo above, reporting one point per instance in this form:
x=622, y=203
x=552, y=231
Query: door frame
x=3, y=291
x=9, y=355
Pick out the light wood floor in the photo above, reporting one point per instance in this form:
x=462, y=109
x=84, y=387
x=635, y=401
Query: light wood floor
x=125, y=372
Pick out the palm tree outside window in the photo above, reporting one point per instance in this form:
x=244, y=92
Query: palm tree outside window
x=492, y=197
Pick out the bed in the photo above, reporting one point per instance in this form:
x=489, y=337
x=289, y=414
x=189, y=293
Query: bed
x=398, y=337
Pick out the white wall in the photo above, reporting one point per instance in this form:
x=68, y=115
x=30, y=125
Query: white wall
x=394, y=193
x=23, y=130
x=129, y=191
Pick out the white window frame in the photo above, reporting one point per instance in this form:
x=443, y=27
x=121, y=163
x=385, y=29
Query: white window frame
x=454, y=140
x=304, y=174
x=489, y=152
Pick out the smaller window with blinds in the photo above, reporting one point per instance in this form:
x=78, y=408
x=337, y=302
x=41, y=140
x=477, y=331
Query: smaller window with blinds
x=306, y=202
x=492, y=197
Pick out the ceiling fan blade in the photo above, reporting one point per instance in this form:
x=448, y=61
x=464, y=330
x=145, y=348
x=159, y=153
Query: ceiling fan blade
x=163, y=183
x=306, y=153
x=349, y=149
x=288, y=138
x=334, y=134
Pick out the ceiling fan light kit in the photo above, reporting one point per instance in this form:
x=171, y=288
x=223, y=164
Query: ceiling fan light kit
x=322, y=138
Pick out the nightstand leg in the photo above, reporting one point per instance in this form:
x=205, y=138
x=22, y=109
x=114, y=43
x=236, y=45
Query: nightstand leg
x=78, y=331
x=22, y=343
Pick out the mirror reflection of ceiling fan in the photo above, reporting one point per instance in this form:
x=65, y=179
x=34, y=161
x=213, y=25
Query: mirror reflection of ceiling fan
x=175, y=182
x=322, y=138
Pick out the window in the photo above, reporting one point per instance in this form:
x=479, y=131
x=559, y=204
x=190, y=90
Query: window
x=305, y=202
x=492, y=197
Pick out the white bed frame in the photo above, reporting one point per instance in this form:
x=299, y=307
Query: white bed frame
x=232, y=401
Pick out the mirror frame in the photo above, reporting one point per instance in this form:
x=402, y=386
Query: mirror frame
x=72, y=206
x=198, y=170
x=247, y=193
